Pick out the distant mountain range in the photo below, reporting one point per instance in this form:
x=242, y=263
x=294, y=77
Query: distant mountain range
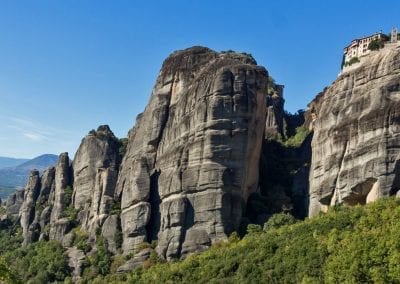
x=14, y=173
x=6, y=162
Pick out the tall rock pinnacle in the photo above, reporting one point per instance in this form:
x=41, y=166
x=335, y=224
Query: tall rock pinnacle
x=192, y=157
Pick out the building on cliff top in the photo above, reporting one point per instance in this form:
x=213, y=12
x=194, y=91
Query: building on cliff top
x=359, y=46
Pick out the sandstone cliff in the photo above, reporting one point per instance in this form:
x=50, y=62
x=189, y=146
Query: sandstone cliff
x=95, y=170
x=356, y=122
x=191, y=163
x=191, y=159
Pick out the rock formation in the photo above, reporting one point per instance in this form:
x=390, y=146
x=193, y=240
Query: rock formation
x=356, y=122
x=59, y=223
x=192, y=157
x=274, y=122
x=27, y=211
x=95, y=168
x=14, y=203
x=191, y=163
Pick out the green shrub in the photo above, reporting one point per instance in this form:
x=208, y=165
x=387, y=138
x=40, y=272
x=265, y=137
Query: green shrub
x=118, y=238
x=352, y=61
x=70, y=212
x=6, y=274
x=278, y=220
x=10, y=235
x=253, y=229
x=300, y=135
x=102, y=258
x=375, y=44
x=41, y=262
x=81, y=239
x=115, y=208
x=67, y=198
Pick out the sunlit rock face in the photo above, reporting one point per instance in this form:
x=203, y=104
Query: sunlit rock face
x=95, y=171
x=192, y=157
x=356, y=142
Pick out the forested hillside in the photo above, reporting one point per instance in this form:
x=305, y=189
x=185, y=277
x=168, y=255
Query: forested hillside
x=346, y=245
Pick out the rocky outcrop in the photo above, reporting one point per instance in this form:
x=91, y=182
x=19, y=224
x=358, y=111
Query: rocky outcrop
x=14, y=203
x=45, y=202
x=274, y=121
x=59, y=225
x=27, y=211
x=135, y=262
x=95, y=175
x=76, y=260
x=191, y=163
x=192, y=157
x=110, y=230
x=356, y=122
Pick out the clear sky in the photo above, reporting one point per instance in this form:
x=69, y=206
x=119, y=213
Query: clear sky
x=68, y=66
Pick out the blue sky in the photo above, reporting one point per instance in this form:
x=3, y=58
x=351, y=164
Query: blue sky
x=68, y=66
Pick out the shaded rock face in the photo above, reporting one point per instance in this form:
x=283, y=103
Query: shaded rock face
x=27, y=211
x=192, y=157
x=274, y=121
x=41, y=213
x=14, y=203
x=109, y=230
x=356, y=122
x=95, y=170
x=48, y=209
x=35, y=211
x=62, y=181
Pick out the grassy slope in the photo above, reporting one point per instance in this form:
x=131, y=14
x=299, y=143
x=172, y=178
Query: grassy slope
x=347, y=245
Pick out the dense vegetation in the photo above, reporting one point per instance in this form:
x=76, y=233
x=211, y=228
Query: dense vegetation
x=283, y=158
x=376, y=44
x=346, y=245
x=41, y=262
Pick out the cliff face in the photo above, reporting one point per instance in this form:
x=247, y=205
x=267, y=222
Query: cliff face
x=67, y=196
x=356, y=122
x=59, y=223
x=191, y=163
x=189, y=166
x=95, y=170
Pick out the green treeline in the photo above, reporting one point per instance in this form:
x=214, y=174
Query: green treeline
x=346, y=245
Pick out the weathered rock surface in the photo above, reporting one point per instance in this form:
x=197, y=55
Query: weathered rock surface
x=356, y=122
x=109, y=231
x=58, y=224
x=135, y=262
x=95, y=175
x=14, y=203
x=76, y=259
x=27, y=211
x=46, y=195
x=274, y=121
x=192, y=157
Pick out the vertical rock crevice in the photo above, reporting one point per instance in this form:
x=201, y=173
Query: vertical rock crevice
x=153, y=226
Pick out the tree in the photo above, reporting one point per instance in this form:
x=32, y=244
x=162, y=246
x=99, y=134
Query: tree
x=375, y=44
